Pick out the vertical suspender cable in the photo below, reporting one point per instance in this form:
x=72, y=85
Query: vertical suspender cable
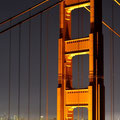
x=29, y=68
x=78, y=87
x=40, y=66
x=82, y=57
x=113, y=51
x=111, y=77
x=19, y=68
x=47, y=70
x=78, y=67
x=9, y=84
x=112, y=65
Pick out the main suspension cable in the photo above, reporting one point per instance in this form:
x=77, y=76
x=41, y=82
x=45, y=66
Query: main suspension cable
x=29, y=18
x=47, y=10
x=117, y=2
x=29, y=9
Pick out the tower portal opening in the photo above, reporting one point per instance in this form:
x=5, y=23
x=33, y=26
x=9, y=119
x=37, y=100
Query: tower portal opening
x=79, y=22
x=80, y=71
x=81, y=113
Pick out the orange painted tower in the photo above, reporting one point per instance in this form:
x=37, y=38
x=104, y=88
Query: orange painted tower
x=93, y=97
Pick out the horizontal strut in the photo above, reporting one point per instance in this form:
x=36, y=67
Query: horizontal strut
x=77, y=46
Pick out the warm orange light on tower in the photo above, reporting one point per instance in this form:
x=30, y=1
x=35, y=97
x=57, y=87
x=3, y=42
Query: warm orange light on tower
x=92, y=97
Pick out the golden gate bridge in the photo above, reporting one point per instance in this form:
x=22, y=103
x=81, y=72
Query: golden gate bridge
x=68, y=97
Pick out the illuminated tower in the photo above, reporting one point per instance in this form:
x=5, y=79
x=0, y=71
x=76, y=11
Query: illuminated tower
x=93, y=97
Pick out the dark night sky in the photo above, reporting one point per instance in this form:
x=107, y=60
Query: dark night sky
x=9, y=8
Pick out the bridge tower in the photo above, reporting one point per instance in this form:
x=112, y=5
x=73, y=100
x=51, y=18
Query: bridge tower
x=93, y=97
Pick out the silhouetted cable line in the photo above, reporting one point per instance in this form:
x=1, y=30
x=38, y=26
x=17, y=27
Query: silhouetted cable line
x=52, y=6
x=29, y=9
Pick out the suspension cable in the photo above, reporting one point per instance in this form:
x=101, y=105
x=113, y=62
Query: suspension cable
x=78, y=87
x=113, y=53
x=111, y=74
x=78, y=72
x=40, y=66
x=82, y=57
x=112, y=67
x=104, y=23
x=47, y=10
x=32, y=16
x=117, y=2
x=9, y=82
x=29, y=9
x=29, y=69
x=81, y=61
x=47, y=68
x=19, y=72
